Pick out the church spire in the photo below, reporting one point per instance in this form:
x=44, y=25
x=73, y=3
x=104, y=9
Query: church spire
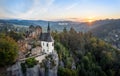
x=48, y=29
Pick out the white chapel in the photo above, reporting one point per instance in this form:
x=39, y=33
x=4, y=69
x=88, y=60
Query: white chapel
x=47, y=42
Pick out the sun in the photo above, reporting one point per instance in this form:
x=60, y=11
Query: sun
x=90, y=19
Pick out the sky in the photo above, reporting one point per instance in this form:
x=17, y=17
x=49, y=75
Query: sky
x=78, y=10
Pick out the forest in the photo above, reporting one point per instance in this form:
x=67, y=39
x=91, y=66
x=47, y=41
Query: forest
x=82, y=54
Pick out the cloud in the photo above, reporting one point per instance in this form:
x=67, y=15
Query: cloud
x=4, y=14
x=31, y=11
x=71, y=6
x=38, y=8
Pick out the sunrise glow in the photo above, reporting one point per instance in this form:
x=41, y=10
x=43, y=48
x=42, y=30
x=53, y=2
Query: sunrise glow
x=75, y=10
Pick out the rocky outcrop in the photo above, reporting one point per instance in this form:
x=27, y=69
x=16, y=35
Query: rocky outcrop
x=53, y=71
x=49, y=69
x=15, y=70
x=35, y=71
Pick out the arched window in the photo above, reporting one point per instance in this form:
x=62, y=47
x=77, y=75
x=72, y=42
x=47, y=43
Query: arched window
x=43, y=50
x=47, y=44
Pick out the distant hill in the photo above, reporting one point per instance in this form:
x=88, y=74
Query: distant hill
x=25, y=22
x=109, y=32
x=103, y=28
x=99, y=27
x=55, y=25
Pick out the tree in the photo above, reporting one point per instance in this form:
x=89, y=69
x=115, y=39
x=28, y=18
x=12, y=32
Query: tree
x=65, y=30
x=8, y=50
x=15, y=36
x=66, y=72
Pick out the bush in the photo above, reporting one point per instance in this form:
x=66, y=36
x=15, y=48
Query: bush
x=31, y=62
